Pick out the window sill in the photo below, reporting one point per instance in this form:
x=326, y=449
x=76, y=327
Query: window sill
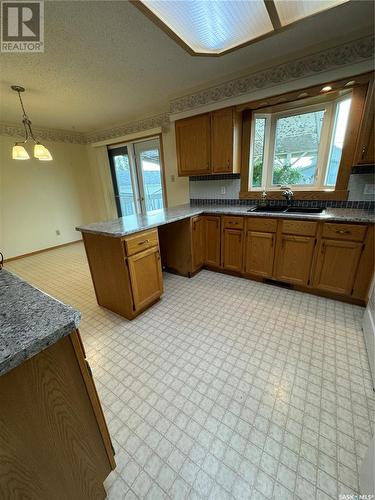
x=298, y=195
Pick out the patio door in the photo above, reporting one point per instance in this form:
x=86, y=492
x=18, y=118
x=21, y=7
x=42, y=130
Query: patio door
x=137, y=177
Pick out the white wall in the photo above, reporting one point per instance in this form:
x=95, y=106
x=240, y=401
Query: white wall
x=37, y=198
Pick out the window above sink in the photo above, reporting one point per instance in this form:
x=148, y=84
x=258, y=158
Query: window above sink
x=299, y=147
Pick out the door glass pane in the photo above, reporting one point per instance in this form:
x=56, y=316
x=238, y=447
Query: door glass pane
x=147, y=155
x=258, y=152
x=335, y=152
x=122, y=181
x=297, y=141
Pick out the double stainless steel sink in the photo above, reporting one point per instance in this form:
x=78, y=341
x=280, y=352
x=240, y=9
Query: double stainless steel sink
x=288, y=210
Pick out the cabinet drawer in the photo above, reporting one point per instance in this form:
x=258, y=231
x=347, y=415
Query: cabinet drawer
x=233, y=222
x=141, y=241
x=261, y=224
x=299, y=227
x=353, y=232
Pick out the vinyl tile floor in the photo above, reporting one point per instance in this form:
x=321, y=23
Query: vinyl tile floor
x=226, y=388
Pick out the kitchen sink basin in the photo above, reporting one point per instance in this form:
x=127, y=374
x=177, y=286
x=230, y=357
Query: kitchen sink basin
x=288, y=210
x=268, y=208
x=304, y=210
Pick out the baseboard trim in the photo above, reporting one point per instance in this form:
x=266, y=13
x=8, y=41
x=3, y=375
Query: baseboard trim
x=41, y=251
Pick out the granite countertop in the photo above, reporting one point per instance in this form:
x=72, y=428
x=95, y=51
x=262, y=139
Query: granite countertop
x=135, y=223
x=30, y=321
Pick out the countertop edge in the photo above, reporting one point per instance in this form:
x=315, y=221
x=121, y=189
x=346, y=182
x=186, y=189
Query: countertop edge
x=231, y=211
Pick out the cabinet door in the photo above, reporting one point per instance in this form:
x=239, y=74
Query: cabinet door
x=365, y=153
x=259, y=253
x=198, y=242
x=232, y=245
x=212, y=241
x=146, y=277
x=294, y=259
x=336, y=265
x=222, y=140
x=193, y=145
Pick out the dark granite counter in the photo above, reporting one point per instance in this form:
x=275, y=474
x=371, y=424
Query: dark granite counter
x=134, y=223
x=30, y=321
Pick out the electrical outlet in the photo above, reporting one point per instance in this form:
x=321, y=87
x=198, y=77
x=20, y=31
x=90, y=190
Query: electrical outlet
x=222, y=190
x=58, y=232
x=369, y=189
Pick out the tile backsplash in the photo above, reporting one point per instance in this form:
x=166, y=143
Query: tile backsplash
x=225, y=189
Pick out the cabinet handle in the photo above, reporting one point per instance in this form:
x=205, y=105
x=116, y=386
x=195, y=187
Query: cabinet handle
x=364, y=150
x=323, y=248
x=143, y=242
x=233, y=223
x=343, y=231
x=158, y=254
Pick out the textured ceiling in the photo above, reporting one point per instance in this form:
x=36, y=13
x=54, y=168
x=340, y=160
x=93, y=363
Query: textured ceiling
x=105, y=63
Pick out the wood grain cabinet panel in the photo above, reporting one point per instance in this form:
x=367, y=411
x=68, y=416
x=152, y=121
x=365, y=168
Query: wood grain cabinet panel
x=197, y=226
x=146, y=277
x=193, y=141
x=233, y=222
x=354, y=232
x=232, y=249
x=299, y=227
x=336, y=266
x=259, y=253
x=141, y=241
x=294, y=259
x=365, y=151
x=54, y=442
x=212, y=240
x=222, y=140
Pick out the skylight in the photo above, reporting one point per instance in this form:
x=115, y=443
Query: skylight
x=216, y=26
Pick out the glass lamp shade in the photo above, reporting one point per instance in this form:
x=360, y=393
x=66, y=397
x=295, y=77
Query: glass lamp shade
x=42, y=153
x=19, y=153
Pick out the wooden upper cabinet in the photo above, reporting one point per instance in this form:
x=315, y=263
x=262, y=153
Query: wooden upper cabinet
x=193, y=145
x=224, y=141
x=259, y=253
x=212, y=240
x=336, y=265
x=197, y=227
x=146, y=277
x=294, y=259
x=365, y=151
x=209, y=143
x=232, y=249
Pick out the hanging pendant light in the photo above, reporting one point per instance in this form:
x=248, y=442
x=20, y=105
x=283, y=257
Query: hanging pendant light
x=18, y=151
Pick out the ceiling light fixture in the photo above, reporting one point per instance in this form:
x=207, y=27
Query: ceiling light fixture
x=18, y=151
x=327, y=88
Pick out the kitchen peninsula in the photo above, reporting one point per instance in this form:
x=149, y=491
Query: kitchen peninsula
x=54, y=441
x=304, y=251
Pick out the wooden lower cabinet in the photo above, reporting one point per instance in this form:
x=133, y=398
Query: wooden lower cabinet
x=232, y=249
x=146, y=277
x=54, y=441
x=259, y=253
x=197, y=228
x=336, y=265
x=212, y=241
x=294, y=259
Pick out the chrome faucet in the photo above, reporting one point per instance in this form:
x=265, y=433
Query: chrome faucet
x=288, y=195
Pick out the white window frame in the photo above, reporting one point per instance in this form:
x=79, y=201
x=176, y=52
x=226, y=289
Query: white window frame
x=326, y=138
